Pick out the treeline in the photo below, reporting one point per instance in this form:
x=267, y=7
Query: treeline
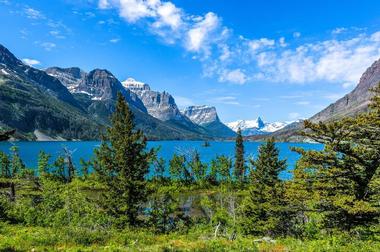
x=332, y=190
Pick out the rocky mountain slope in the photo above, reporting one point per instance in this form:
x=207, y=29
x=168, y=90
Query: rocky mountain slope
x=160, y=105
x=70, y=103
x=32, y=102
x=356, y=101
x=256, y=127
x=97, y=91
x=207, y=117
x=353, y=103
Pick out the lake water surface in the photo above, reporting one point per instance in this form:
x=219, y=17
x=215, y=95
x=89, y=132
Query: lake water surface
x=29, y=150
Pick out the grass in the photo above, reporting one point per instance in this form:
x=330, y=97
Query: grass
x=21, y=238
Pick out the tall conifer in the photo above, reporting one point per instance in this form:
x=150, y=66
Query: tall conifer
x=121, y=163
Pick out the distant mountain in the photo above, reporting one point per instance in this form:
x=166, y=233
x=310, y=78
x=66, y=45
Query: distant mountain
x=97, y=90
x=207, y=117
x=162, y=106
x=68, y=103
x=353, y=103
x=159, y=105
x=256, y=127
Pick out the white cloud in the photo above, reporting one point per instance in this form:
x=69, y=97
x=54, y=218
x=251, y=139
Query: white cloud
x=339, y=30
x=294, y=116
x=296, y=34
x=235, y=76
x=31, y=62
x=227, y=100
x=197, y=36
x=48, y=46
x=57, y=34
x=169, y=15
x=333, y=61
x=236, y=59
x=303, y=103
x=259, y=44
x=114, y=40
x=282, y=42
x=33, y=13
x=103, y=4
x=183, y=102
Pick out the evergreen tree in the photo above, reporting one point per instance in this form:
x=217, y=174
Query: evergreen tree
x=198, y=169
x=219, y=169
x=346, y=172
x=43, y=164
x=177, y=167
x=159, y=168
x=239, y=157
x=121, y=164
x=264, y=209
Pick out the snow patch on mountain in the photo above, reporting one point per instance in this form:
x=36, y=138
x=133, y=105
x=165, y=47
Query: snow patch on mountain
x=256, y=127
x=135, y=86
x=201, y=115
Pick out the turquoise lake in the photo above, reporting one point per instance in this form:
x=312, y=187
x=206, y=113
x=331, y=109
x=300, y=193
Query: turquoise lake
x=29, y=150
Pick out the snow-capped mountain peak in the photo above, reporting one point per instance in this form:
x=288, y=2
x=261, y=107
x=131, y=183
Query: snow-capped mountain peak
x=256, y=127
x=135, y=86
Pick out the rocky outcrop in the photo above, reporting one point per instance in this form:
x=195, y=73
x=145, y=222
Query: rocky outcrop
x=159, y=105
x=70, y=77
x=14, y=68
x=207, y=117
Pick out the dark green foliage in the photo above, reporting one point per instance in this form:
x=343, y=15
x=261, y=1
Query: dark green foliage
x=162, y=215
x=121, y=164
x=346, y=172
x=179, y=170
x=197, y=168
x=220, y=169
x=239, y=157
x=264, y=209
x=159, y=165
x=25, y=107
x=331, y=201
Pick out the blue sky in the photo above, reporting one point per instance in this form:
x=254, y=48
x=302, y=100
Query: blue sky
x=281, y=60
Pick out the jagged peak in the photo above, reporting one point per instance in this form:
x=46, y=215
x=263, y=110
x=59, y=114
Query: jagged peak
x=135, y=85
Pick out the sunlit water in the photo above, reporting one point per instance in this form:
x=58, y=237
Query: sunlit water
x=29, y=150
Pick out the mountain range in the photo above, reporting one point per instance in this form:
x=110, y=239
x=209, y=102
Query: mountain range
x=69, y=103
x=256, y=127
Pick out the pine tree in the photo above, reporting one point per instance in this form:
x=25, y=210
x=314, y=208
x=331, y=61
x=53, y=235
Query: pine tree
x=239, y=157
x=121, y=164
x=198, y=169
x=264, y=209
x=346, y=172
x=177, y=167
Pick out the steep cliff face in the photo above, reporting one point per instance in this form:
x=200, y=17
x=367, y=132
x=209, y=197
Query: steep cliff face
x=70, y=77
x=14, y=68
x=207, y=117
x=159, y=105
x=32, y=101
x=201, y=115
x=356, y=101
